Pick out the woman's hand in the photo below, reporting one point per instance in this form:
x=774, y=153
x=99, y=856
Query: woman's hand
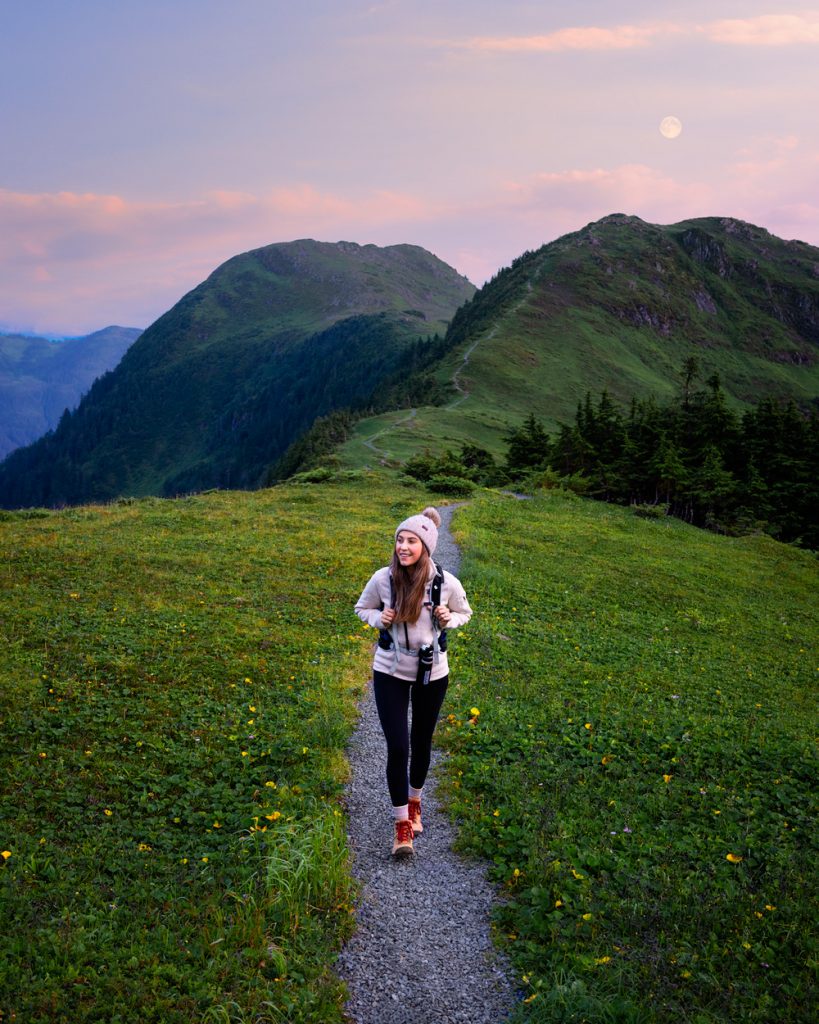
x=442, y=614
x=387, y=617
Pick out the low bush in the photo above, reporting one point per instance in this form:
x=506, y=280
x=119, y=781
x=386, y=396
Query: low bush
x=455, y=486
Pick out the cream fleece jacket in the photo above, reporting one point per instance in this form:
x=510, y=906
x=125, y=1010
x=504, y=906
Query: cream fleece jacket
x=377, y=594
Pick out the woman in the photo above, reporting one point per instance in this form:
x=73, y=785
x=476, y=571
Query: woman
x=398, y=600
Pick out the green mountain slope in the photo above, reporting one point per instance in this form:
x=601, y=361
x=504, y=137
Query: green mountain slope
x=39, y=378
x=620, y=305
x=217, y=388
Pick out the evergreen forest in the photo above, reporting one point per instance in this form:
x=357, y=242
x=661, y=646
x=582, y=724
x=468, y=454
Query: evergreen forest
x=694, y=458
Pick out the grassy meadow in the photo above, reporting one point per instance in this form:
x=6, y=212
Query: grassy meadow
x=632, y=734
x=630, y=729
x=178, y=685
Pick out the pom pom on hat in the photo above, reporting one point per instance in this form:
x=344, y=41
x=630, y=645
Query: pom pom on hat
x=424, y=526
x=432, y=513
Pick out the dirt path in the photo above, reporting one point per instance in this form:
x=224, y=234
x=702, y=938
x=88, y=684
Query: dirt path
x=463, y=392
x=381, y=451
x=422, y=953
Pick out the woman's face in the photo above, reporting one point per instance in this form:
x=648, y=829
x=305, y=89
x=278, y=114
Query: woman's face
x=408, y=547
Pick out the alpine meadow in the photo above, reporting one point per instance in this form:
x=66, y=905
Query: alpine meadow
x=627, y=419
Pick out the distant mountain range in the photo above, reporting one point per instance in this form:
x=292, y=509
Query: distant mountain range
x=40, y=379
x=214, y=391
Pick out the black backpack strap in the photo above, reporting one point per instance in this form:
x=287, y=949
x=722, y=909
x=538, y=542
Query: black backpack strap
x=435, y=597
x=385, y=640
x=437, y=583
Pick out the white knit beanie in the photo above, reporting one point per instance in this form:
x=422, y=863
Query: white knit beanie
x=424, y=526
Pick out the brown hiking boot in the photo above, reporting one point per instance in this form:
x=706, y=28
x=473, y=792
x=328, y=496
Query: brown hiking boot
x=415, y=816
x=402, y=846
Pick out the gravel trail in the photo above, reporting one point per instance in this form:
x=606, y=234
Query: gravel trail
x=422, y=952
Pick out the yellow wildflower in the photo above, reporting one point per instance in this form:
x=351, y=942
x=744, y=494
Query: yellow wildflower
x=666, y=779
x=108, y=812
x=274, y=816
x=5, y=854
x=474, y=712
x=734, y=858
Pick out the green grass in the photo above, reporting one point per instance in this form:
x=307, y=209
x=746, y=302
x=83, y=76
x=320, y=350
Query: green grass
x=178, y=685
x=179, y=681
x=641, y=774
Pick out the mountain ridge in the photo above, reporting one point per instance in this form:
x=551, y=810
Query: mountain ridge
x=219, y=386
x=620, y=305
x=174, y=413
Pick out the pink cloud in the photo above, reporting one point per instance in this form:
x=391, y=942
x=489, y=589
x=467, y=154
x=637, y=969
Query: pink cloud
x=622, y=37
x=71, y=262
x=766, y=30
x=779, y=192
x=763, y=30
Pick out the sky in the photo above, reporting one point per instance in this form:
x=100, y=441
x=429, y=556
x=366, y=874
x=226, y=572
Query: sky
x=144, y=143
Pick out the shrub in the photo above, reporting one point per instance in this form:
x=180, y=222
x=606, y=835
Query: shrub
x=456, y=486
x=659, y=511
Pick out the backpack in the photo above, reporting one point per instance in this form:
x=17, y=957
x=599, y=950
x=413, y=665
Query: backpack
x=385, y=640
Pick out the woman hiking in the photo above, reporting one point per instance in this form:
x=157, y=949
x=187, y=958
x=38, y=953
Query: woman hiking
x=412, y=604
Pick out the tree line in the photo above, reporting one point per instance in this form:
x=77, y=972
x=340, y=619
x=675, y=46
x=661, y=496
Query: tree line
x=693, y=457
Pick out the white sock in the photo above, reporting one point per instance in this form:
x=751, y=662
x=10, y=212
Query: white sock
x=415, y=794
x=401, y=813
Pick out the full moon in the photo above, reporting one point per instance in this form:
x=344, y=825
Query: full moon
x=670, y=127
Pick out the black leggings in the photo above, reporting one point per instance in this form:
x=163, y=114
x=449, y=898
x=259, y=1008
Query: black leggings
x=392, y=697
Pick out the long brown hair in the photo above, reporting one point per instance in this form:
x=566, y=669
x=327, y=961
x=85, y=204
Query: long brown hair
x=410, y=584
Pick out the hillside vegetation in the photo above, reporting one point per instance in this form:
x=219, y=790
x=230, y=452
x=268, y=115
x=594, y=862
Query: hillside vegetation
x=632, y=748
x=619, y=306
x=214, y=391
x=40, y=379
x=178, y=684
x=629, y=723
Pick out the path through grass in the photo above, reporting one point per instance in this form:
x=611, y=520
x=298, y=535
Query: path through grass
x=179, y=682
x=178, y=685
